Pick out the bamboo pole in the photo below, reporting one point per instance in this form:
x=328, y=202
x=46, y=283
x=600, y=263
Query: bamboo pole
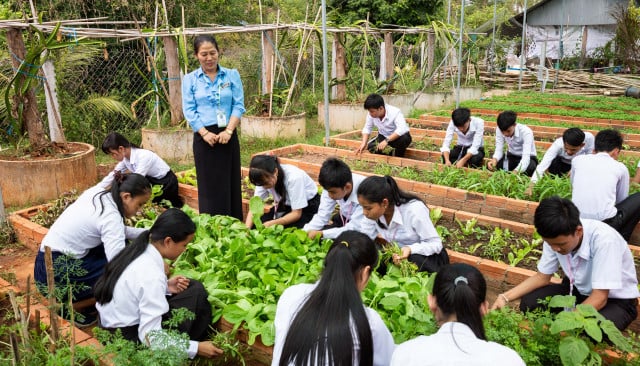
x=53, y=315
x=303, y=45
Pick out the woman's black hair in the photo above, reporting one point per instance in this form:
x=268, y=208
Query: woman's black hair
x=321, y=332
x=263, y=167
x=460, y=289
x=172, y=223
x=113, y=141
x=133, y=183
x=375, y=189
x=199, y=40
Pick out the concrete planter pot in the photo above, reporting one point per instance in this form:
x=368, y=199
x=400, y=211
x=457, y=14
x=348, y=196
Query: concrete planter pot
x=436, y=100
x=274, y=127
x=36, y=181
x=402, y=101
x=343, y=116
x=171, y=145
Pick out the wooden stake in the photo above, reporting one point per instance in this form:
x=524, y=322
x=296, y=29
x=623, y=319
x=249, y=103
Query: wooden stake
x=53, y=314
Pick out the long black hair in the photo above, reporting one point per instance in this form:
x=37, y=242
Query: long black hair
x=375, y=189
x=321, y=332
x=132, y=183
x=460, y=289
x=172, y=223
x=264, y=166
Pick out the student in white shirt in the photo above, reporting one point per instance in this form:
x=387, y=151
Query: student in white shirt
x=295, y=194
x=469, y=149
x=135, y=296
x=392, y=128
x=339, y=189
x=144, y=162
x=521, y=148
x=307, y=313
x=402, y=218
x=597, y=263
x=557, y=159
x=458, y=303
x=600, y=185
x=88, y=234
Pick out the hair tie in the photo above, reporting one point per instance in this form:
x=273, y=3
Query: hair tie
x=118, y=176
x=460, y=279
x=345, y=243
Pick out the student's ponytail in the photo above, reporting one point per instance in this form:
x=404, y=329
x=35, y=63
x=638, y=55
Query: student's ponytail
x=104, y=286
x=375, y=188
x=132, y=183
x=321, y=331
x=460, y=290
x=172, y=223
x=262, y=167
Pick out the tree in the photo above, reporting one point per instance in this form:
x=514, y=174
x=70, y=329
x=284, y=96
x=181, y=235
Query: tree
x=408, y=13
x=628, y=35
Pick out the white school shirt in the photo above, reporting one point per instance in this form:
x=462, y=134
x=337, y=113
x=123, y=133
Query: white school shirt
x=474, y=138
x=299, y=186
x=557, y=149
x=598, y=183
x=603, y=262
x=82, y=227
x=143, y=162
x=393, y=121
x=292, y=300
x=454, y=344
x=139, y=297
x=520, y=144
x=411, y=226
x=349, y=208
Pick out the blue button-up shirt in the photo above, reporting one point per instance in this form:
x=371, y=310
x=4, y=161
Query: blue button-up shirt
x=201, y=97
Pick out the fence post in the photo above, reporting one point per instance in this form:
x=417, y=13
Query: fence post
x=173, y=79
x=388, y=56
x=268, y=54
x=339, y=65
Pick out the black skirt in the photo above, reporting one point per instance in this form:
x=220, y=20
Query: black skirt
x=218, y=175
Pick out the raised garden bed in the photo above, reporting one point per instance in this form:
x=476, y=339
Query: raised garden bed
x=500, y=277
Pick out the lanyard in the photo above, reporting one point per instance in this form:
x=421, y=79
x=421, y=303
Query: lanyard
x=393, y=236
x=571, y=274
x=347, y=215
x=275, y=203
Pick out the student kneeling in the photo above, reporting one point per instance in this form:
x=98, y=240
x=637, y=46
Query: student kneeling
x=596, y=260
x=132, y=293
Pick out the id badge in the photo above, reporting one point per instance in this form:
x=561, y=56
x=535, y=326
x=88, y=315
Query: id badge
x=222, y=119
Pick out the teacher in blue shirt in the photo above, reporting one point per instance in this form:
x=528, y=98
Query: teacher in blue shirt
x=213, y=103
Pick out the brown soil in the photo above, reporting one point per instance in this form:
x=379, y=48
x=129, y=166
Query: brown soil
x=52, y=151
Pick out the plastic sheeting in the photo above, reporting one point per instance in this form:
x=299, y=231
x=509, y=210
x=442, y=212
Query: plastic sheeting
x=597, y=36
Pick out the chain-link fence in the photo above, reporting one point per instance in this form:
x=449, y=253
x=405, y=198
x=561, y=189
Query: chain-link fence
x=96, y=86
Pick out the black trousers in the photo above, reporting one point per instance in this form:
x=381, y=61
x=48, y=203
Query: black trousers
x=620, y=311
x=627, y=217
x=399, y=145
x=194, y=299
x=169, y=185
x=307, y=213
x=558, y=167
x=460, y=151
x=514, y=160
